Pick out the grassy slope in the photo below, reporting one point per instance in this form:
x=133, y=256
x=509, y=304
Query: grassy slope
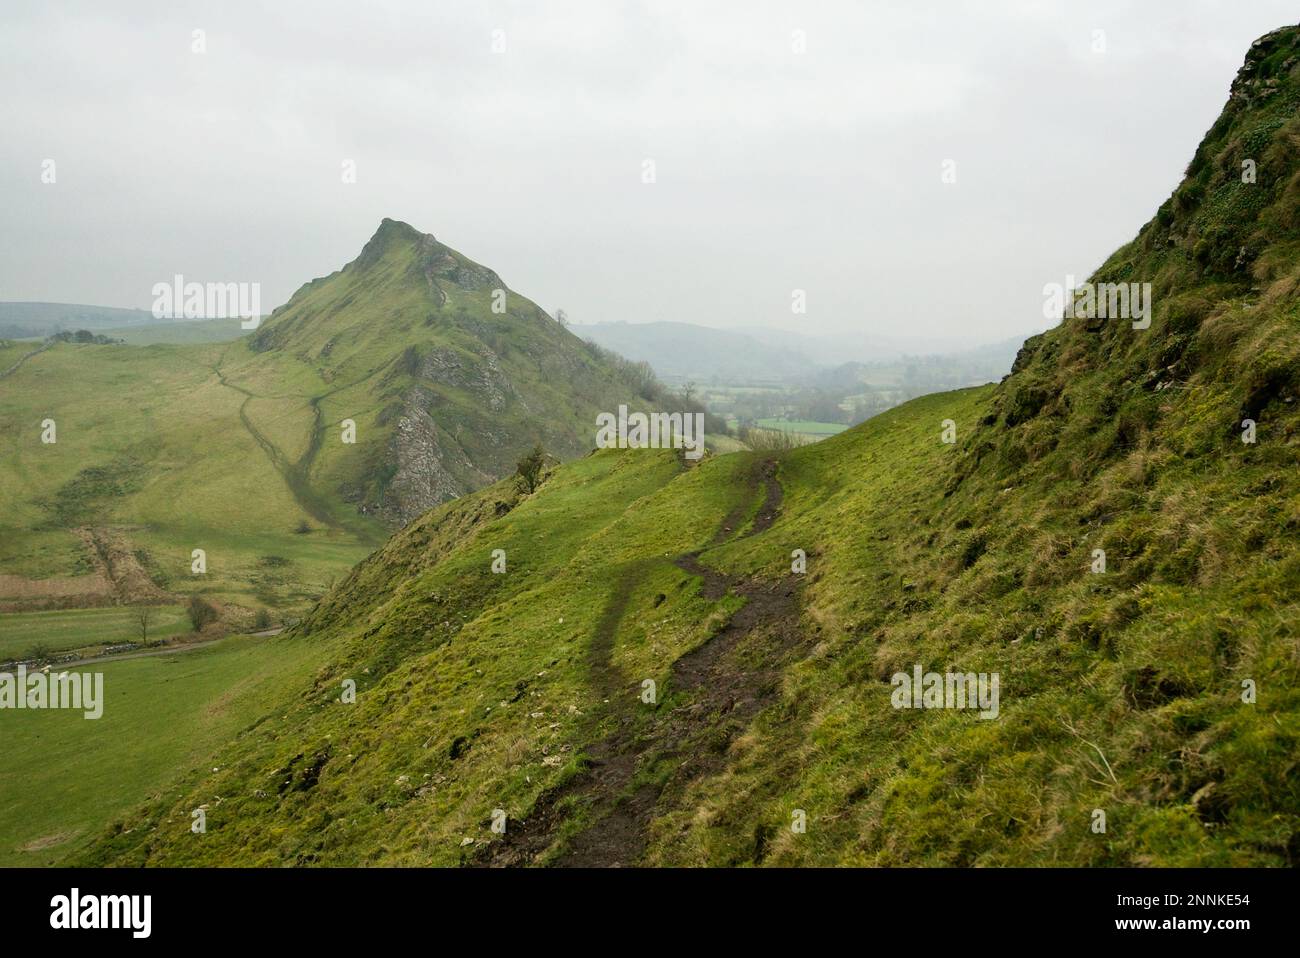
x=1121, y=691
x=146, y=443
x=454, y=652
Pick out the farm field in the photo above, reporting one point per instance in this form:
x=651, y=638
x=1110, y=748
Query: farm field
x=65, y=777
x=60, y=630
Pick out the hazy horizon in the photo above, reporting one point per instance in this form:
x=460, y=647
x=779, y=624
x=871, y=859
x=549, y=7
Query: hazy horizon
x=774, y=170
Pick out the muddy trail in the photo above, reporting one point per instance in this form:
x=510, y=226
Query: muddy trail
x=713, y=694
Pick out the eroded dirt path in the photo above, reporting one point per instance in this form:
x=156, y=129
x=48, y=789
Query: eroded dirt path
x=714, y=692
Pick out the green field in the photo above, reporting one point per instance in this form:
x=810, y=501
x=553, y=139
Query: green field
x=805, y=427
x=65, y=629
x=163, y=458
x=65, y=777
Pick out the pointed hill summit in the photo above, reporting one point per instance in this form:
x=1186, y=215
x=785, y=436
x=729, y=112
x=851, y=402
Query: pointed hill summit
x=449, y=374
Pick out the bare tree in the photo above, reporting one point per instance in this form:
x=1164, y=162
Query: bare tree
x=561, y=317
x=144, y=616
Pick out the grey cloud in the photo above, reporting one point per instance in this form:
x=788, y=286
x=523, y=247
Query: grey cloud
x=775, y=171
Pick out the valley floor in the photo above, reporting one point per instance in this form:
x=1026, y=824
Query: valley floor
x=66, y=777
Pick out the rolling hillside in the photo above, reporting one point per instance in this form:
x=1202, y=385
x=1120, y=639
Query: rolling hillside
x=1159, y=690
x=241, y=448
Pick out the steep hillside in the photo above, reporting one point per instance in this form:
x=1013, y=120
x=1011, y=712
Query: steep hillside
x=440, y=374
x=1158, y=691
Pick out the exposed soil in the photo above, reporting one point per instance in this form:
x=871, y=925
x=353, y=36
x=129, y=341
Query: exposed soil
x=716, y=689
x=48, y=841
x=21, y=594
x=110, y=552
x=118, y=579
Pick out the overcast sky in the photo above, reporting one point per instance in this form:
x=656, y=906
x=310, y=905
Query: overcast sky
x=775, y=170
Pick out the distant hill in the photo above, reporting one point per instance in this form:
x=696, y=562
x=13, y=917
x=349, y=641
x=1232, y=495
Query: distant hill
x=135, y=326
x=681, y=351
x=916, y=375
x=685, y=351
x=27, y=320
x=849, y=346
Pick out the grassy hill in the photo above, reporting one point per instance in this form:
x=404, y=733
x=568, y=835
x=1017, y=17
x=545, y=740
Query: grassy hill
x=238, y=448
x=523, y=693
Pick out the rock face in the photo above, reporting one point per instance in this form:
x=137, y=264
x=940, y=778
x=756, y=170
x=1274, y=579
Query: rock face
x=423, y=477
x=442, y=263
x=479, y=375
x=1268, y=62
